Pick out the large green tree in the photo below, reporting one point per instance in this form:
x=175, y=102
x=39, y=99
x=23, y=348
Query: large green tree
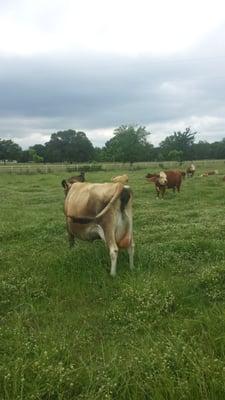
x=129, y=144
x=9, y=150
x=179, y=141
x=69, y=146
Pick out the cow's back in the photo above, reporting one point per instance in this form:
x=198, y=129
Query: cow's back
x=174, y=178
x=88, y=199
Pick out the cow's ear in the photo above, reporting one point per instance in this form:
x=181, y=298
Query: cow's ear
x=65, y=184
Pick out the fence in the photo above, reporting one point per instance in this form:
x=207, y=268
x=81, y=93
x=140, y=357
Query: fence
x=28, y=169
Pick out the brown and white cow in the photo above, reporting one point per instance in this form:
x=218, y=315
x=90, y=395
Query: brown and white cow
x=165, y=180
x=190, y=171
x=101, y=211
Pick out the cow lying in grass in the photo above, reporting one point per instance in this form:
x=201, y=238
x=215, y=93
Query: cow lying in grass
x=121, y=178
x=165, y=180
x=208, y=173
x=100, y=211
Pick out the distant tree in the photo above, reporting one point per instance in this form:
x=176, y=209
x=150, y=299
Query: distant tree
x=69, y=146
x=160, y=156
x=175, y=155
x=99, y=154
x=202, y=150
x=179, y=141
x=40, y=150
x=129, y=144
x=9, y=150
x=25, y=156
x=218, y=150
x=33, y=156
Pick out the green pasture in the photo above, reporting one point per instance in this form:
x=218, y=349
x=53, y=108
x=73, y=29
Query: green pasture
x=68, y=331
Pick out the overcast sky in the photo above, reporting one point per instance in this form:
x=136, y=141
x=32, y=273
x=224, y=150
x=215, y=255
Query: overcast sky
x=93, y=65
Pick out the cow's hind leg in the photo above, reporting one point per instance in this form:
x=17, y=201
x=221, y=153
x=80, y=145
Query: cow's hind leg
x=110, y=240
x=113, y=250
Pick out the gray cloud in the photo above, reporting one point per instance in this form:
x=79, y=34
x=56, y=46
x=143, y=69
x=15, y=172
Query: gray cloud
x=43, y=94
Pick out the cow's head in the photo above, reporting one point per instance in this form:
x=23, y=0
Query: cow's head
x=82, y=175
x=153, y=178
x=162, y=178
x=66, y=186
x=150, y=175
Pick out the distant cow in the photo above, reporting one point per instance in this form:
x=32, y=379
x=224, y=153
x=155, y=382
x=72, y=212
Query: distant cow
x=166, y=179
x=207, y=173
x=190, y=171
x=66, y=183
x=120, y=178
x=101, y=211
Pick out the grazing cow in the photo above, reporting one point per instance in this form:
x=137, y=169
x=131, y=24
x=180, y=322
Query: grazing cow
x=167, y=179
x=101, y=211
x=121, y=178
x=190, y=171
x=67, y=183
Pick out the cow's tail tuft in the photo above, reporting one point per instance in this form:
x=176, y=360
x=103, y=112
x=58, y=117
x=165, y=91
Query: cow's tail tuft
x=125, y=196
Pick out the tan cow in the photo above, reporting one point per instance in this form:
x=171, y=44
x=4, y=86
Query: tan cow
x=101, y=211
x=120, y=178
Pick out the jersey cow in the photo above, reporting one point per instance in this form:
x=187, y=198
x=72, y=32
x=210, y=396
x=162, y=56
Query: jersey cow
x=167, y=179
x=100, y=211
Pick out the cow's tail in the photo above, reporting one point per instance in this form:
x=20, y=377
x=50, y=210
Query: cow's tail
x=124, y=192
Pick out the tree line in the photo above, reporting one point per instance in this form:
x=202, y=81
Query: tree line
x=128, y=144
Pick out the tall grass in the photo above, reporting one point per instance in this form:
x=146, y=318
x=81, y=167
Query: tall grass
x=70, y=331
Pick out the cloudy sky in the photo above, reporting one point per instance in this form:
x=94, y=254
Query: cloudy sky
x=93, y=65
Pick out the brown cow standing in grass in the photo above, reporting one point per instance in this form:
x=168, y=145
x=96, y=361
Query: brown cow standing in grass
x=100, y=211
x=166, y=179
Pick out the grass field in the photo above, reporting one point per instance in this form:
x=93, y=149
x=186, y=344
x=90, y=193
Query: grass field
x=69, y=331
